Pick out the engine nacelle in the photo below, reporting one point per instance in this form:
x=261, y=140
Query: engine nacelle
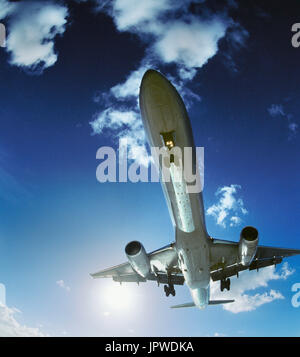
x=248, y=245
x=138, y=258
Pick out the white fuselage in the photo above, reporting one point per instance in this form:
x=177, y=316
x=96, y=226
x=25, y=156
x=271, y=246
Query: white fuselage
x=163, y=111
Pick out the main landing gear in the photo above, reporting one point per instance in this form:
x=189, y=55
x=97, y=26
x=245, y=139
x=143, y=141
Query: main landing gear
x=169, y=289
x=225, y=284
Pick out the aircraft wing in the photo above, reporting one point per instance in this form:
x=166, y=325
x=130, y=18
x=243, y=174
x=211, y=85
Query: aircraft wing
x=224, y=256
x=162, y=261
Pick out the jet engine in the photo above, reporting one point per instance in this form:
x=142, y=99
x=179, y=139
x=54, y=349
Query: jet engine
x=248, y=245
x=138, y=258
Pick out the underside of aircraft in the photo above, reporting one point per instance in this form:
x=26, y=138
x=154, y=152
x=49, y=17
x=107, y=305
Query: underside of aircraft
x=162, y=265
x=194, y=258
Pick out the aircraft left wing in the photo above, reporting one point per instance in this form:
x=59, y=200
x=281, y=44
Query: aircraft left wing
x=164, y=269
x=225, y=261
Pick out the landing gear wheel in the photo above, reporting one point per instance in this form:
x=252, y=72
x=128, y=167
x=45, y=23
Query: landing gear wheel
x=228, y=284
x=172, y=290
x=225, y=284
x=169, y=289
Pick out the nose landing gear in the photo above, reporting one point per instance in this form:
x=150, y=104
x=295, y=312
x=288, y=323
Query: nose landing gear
x=225, y=284
x=169, y=289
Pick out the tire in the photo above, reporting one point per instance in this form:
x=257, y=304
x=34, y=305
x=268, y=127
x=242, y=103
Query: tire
x=228, y=284
x=167, y=290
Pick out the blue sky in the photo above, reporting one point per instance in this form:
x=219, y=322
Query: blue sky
x=68, y=70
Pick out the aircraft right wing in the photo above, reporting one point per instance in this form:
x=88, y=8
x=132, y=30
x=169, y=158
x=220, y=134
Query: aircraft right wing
x=164, y=269
x=225, y=261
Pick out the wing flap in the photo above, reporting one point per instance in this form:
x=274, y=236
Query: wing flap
x=236, y=268
x=225, y=263
x=159, y=278
x=129, y=278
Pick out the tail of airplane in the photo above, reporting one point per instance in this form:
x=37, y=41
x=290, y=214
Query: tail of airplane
x=211, y=302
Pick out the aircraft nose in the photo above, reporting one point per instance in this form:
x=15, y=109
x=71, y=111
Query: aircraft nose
x=156, y=91
x=150, y=73
x=160, y=104
x=152, y=77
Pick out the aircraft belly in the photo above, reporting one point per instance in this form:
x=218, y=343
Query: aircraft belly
x=163, y=111
x=180, y=204
x=193, y=255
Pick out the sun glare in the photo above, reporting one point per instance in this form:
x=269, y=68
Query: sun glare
x=118, y=297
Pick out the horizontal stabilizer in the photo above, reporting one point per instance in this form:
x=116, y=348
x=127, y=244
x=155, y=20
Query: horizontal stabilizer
x=211, y=302
x=217, y=302
x=188, y=304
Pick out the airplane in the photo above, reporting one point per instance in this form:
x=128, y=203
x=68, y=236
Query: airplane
x=194, y=258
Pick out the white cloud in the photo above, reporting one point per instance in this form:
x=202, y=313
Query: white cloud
x=63, y=285
x=187, y=74
x=227, y=204
x=293, y=127
x=249, y=303
x=131, y=86
x=124, y=121
x=128, y=127
x=190, y=44
x=32, y=28
x=131, y=14
x=114, y=119
x=173, y=33
x=238, y=36
x=249, y=281
x=10, y=327
x=6, y=8
x=277, y=110
x=235, y=221
x=174, y=36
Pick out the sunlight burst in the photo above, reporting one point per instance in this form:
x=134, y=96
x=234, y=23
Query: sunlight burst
x=118, y=297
